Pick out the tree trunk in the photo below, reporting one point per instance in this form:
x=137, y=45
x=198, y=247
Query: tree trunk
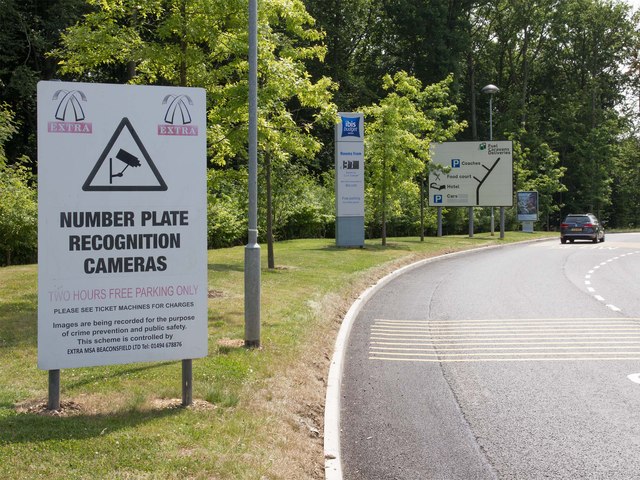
x=421, y=208
x=270, y=255
x=472, y=95
x=183, y=44
x=131, y=69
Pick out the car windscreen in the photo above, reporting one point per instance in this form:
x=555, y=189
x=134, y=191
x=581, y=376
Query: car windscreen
x=579, y=220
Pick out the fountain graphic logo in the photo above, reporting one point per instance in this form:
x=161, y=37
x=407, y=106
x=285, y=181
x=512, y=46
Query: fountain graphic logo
x=69, y=115
x=177, y=118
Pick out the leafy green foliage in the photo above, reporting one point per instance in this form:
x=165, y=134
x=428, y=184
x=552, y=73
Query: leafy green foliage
x=226, y=207
x=398, y=133
x=204, y=43
x=302, y=206
x=18, y=208
x=538, y=169
x=626, y=178
x=30, y=28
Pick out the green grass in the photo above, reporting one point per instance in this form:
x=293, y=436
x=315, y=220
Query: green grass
x=123, y=422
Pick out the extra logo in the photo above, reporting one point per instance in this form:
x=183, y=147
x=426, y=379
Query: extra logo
x=69, y=115
x=351, y=127
x=177, y=118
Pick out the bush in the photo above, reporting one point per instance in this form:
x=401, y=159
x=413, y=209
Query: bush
x=19, y=207
x=302, y=204
x=18, y=216
x=227, y=208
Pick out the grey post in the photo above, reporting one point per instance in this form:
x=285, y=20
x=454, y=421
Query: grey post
x=439, y=221
x=187, y=382
x=252, y=249
x=470, y=222
x=490, y=90
x=422, y=209
x=493, y=223
x=54, y=390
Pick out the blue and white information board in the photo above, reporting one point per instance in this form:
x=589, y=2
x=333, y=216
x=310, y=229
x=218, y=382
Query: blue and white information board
x=349, y=154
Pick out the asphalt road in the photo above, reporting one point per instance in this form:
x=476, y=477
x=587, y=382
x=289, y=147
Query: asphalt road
x=510, y=363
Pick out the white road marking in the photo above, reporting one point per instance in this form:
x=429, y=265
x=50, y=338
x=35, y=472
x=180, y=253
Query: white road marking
x=487, y=340
x=634, y=377
x=592, y=290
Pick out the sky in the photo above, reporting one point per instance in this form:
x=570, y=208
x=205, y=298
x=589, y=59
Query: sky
x=634, y=3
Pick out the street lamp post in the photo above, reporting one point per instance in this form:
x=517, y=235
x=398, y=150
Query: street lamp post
x=252, y=249
x=490, y=90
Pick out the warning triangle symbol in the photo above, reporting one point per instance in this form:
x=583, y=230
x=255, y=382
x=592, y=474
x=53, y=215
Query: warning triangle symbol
x=124, y=165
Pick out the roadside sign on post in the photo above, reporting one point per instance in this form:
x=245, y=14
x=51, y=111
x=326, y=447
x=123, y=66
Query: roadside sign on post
x=480, y=174
x=349, y=158
x=527, y=210
x=122, y=248
x=527, y=206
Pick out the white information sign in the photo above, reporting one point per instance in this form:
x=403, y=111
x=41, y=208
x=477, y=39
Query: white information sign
x=122, y=249
x=480, y=174
x=350, y=165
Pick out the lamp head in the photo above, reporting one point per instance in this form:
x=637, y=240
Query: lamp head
x=490, y=89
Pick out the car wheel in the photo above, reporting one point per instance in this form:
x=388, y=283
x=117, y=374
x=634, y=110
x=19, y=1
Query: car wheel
x=602, y=239
x=563, y=240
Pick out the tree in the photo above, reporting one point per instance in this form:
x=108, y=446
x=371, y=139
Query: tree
x=30, y=28
x=204, y=43
x=18, y=209
x=537, y=169
x=626, y=178
x=398, y=132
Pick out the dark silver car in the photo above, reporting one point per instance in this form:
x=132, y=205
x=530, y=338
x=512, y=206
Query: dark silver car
x=583, y=226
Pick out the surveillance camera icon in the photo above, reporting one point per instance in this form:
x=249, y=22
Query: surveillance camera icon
x=125, y=157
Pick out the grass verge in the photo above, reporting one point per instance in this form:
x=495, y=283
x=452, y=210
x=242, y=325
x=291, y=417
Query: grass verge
x=257, y=414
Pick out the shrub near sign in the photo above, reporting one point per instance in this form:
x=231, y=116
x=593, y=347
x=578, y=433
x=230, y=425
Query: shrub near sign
x=122, y=224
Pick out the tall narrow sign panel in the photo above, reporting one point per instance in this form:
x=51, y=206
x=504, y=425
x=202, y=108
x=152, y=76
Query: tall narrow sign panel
x=349, y=141
x=122, y=249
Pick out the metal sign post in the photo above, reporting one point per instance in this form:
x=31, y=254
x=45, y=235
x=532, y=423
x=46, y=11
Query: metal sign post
x=252, y=249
